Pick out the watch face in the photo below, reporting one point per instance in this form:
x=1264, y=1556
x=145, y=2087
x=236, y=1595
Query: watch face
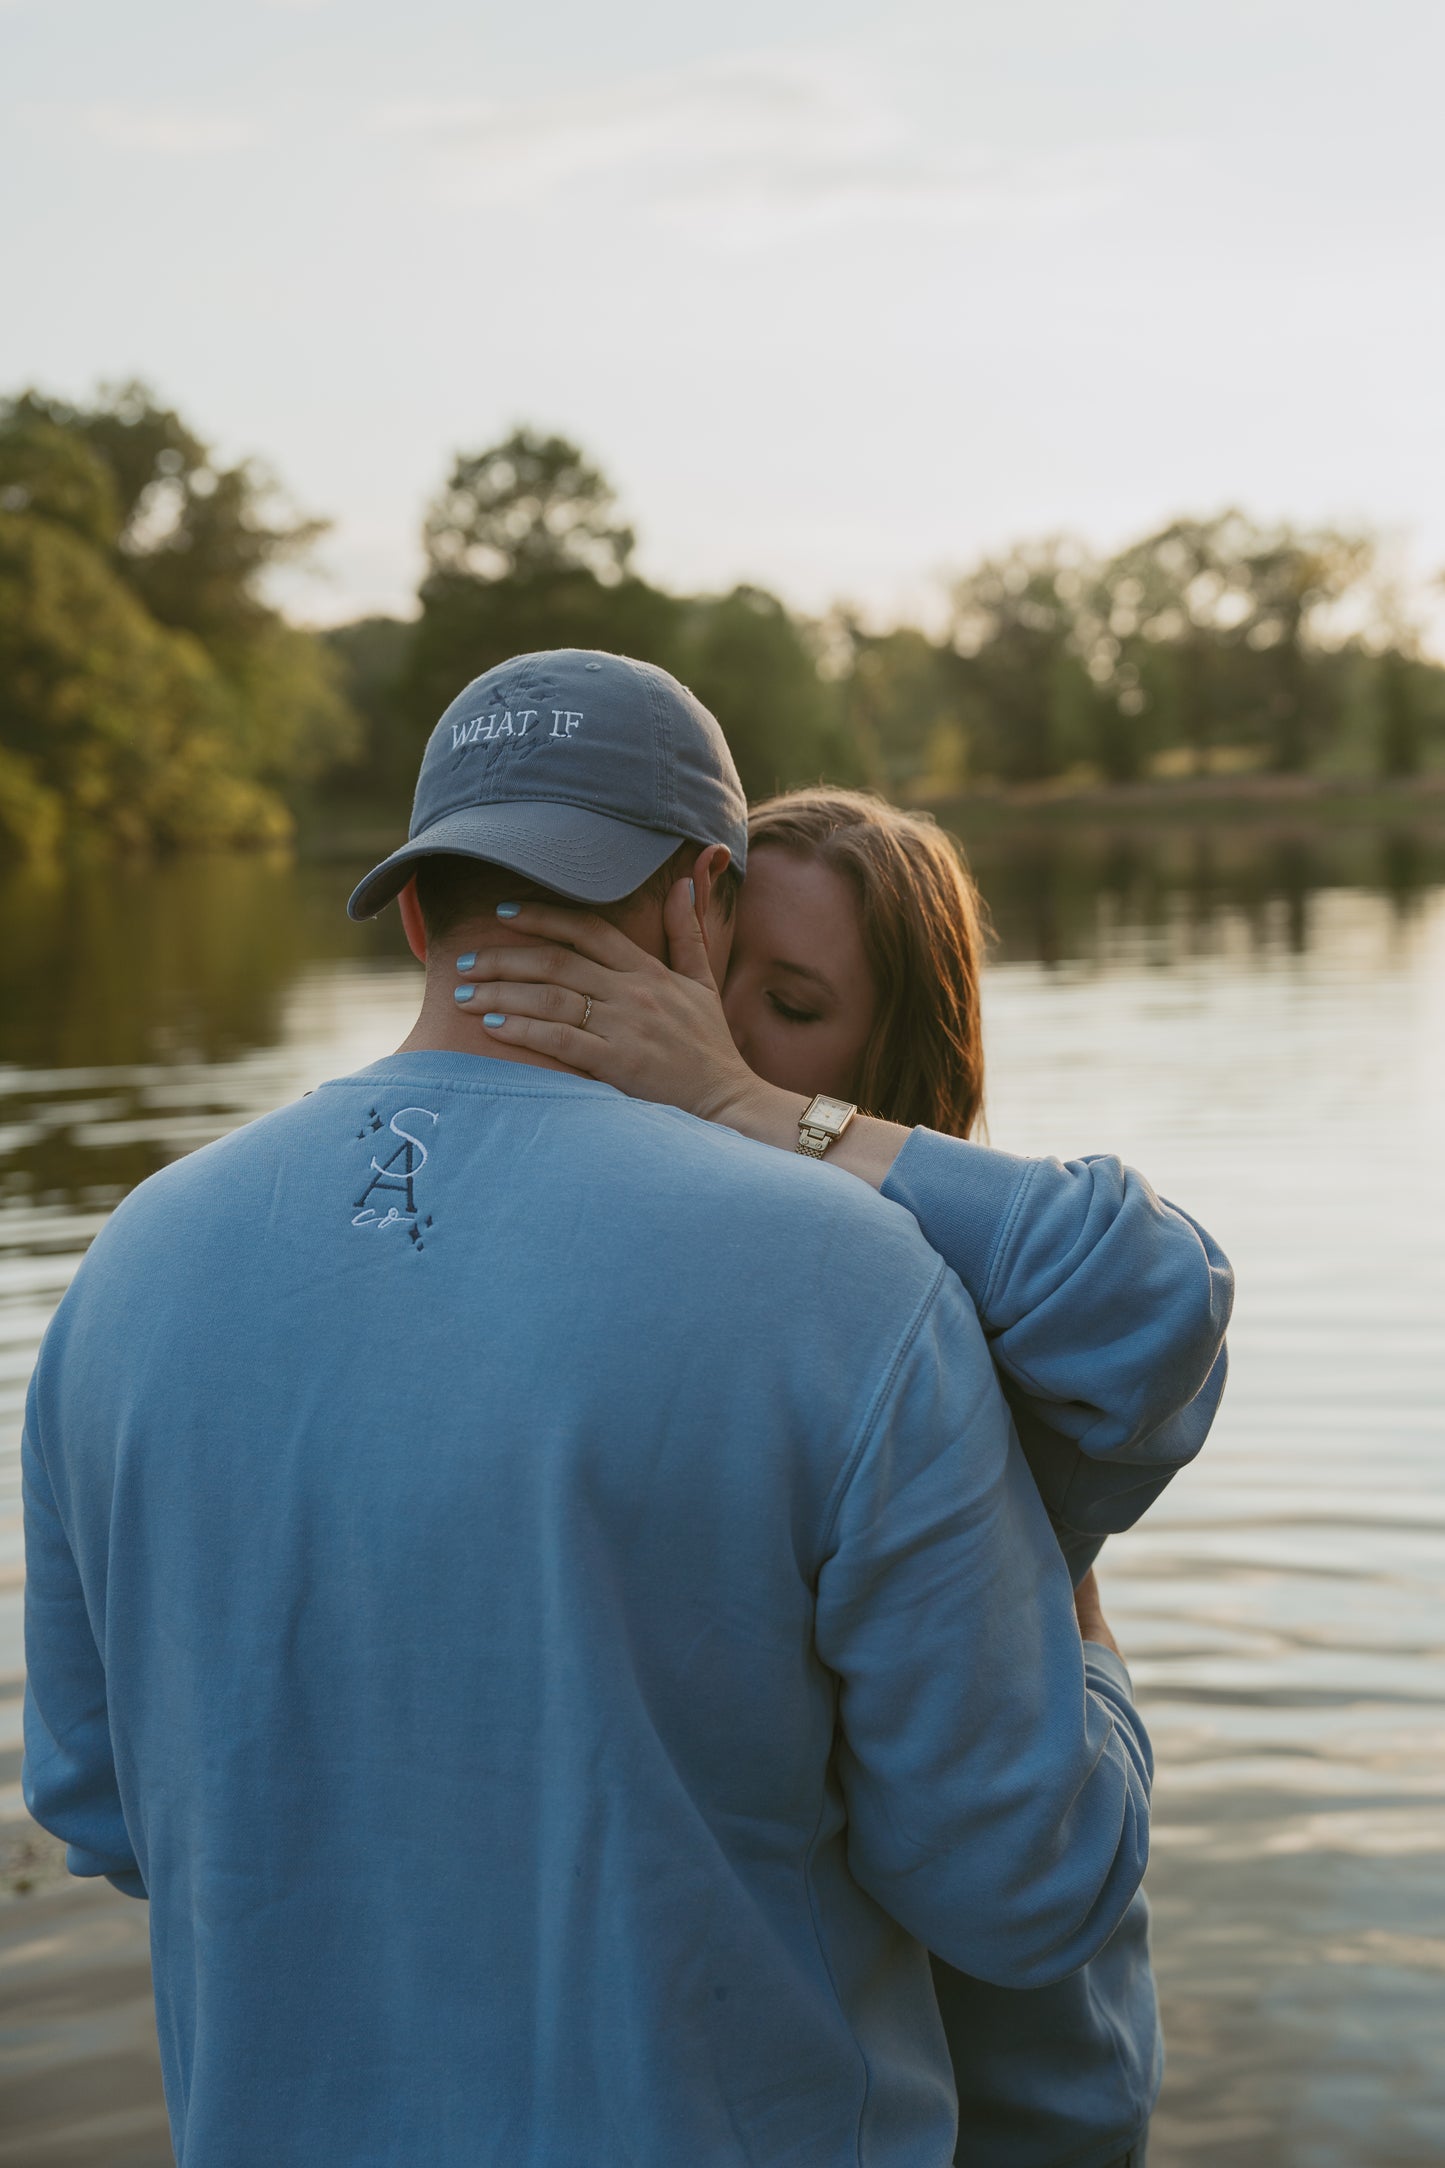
x=827, y=1113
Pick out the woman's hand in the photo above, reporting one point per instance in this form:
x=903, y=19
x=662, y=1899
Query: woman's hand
x=653, y=1032
x=1089, y=1610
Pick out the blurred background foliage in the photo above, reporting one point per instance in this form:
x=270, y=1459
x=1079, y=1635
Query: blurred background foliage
x=148, y=693
x=151, y=696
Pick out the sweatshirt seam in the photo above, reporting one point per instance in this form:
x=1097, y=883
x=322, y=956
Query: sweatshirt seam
x=1006, y=1231
x=885, y=1383
x=498, y=1090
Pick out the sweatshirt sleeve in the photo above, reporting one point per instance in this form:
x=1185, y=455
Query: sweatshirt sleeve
x=68, y=1776
x=1104, y=1307
x=996, y=1775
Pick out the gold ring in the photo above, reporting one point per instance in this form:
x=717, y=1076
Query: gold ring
x=586, y=1013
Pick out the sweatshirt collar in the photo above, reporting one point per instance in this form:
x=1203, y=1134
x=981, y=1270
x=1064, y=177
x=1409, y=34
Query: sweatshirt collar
x=477, y=1072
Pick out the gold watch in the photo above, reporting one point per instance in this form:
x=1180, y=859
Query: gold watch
x=822, y=1122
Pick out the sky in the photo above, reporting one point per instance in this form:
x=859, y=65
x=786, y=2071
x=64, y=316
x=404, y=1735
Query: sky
x=838, y=297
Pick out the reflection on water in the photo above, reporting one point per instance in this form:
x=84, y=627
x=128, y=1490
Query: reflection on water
x=1262, y=1028
x=1277, y=1069
x=1057, y=897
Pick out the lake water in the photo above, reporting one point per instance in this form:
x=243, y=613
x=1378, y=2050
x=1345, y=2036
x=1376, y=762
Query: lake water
x=1261, y=1028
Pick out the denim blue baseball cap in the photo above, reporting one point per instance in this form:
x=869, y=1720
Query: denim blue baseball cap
x=583, y=771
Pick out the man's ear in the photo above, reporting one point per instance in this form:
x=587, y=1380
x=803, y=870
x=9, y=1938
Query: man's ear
x=717, y=932
x=707, y=869
x=412, y=920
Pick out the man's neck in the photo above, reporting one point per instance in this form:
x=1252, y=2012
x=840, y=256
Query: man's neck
x=443, y=1028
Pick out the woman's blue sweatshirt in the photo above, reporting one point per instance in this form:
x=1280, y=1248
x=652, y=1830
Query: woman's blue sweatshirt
x=1105, y=1310
x=461, y=1509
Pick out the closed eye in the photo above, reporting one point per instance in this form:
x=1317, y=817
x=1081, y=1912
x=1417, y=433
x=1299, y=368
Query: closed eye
x=790, y=1014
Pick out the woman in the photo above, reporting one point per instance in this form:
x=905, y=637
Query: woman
x=854, y=971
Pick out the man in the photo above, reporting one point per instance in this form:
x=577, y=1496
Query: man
x=544, y=1596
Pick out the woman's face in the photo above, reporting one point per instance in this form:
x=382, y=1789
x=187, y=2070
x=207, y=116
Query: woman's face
x=799, y=996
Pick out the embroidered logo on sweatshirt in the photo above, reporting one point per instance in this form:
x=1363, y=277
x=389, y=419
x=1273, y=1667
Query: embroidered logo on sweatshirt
x=388, y=1203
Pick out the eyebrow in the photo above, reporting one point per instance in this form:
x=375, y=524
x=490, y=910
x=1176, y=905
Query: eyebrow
x=805, y=971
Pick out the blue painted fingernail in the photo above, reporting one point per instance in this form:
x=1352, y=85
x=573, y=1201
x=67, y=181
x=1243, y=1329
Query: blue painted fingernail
x=464, y=993
x=692, y=892
x=508, y=910
x=493, y=1017
x=467, y=962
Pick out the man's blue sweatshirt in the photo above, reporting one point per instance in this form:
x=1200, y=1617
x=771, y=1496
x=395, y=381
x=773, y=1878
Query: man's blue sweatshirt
x=547, y=1600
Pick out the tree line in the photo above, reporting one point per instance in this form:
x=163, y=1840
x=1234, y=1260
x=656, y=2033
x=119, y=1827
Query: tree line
x=147, y=692
x=150, y=695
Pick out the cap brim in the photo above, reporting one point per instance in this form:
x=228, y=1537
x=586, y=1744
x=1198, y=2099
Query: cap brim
x=589, y=857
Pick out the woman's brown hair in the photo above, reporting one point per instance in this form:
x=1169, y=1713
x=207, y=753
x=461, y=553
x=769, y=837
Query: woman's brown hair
x=924, y=931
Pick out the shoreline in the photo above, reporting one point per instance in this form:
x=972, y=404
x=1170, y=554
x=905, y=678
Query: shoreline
x=1280, y=805
x=1275, y=804
x=1261, y=807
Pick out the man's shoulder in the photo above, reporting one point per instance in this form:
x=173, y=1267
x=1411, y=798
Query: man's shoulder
x=209, y=1174
x=784, y=1197
x=779, y=1219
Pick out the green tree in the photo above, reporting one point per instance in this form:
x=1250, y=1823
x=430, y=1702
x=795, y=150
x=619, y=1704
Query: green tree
x=1020, y=626
x=373, y=655
x=1401, y=737
x=524, y=551
x=1291, y=579
x=150, y=687
x=1204, y=633
x=467, y=625
x=194, y=538
x=50, y=473
x=752, y=664
x=1168, y=608
x=532, y=507
x=109, y=722
x=903, y=709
